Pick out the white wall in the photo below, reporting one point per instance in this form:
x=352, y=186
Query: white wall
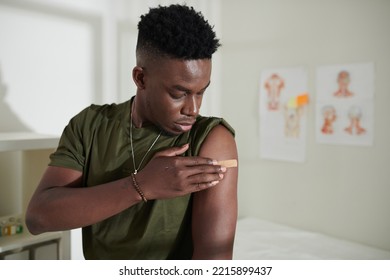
x=343, y=191
x=48, y=64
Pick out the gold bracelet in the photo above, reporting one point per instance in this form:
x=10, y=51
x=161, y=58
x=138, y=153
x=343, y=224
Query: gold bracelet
x=137, y=188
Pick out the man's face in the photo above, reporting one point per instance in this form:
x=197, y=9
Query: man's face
x=174, y=91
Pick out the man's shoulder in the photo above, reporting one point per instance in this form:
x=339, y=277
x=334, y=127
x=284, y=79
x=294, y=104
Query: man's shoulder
x=206, y=124
x=104, y=111
x=108, y=110
x=203, y=128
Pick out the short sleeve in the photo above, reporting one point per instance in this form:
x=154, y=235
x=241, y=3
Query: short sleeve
x=70, y=152
x=202, y=128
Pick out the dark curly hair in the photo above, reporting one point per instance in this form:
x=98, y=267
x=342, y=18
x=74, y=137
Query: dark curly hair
x=176, y=31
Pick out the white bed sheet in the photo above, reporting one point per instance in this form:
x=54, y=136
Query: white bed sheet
x=258, y=239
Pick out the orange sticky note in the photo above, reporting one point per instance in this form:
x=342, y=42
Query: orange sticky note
x=302, y=99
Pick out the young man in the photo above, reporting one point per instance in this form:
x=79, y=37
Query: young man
x=141, y=178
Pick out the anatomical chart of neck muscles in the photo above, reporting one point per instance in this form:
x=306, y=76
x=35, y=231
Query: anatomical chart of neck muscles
x=283, y=114
x=345, y=104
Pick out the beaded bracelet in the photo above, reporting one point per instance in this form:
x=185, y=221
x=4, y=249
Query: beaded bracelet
x=137, y=188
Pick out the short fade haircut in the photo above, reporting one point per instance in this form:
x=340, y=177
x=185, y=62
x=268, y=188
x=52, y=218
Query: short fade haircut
x=176, y=31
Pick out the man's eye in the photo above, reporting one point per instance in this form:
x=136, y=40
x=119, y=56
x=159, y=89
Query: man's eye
x=177, y=95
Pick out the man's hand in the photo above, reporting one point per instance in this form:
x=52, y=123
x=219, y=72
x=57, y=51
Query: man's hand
x=168, y=174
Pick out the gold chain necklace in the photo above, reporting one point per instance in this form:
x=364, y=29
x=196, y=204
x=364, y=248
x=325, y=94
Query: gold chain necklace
x=131, y=143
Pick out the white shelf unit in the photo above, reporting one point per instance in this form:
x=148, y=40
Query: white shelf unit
x=23, y=159
x=11, y=245
x=21, y=141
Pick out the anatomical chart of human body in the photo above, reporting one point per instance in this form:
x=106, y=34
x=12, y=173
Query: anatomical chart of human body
x=344, y=107
x=283, y=114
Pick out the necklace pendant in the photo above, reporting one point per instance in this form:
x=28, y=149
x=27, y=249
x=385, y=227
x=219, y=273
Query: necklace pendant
x=132, y=148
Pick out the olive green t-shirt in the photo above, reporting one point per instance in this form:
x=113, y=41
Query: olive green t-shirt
x=97, y=143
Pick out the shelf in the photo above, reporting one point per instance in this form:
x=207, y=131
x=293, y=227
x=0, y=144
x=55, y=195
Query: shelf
x=14, y=141
x=14, y=242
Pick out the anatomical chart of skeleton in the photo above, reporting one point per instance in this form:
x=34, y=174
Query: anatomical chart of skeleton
x=283, y=114
x=344, y=106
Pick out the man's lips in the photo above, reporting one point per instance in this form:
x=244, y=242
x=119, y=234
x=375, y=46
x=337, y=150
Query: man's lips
x=184, y=126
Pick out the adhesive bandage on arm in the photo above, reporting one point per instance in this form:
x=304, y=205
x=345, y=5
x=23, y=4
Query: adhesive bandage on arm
x=228, y=163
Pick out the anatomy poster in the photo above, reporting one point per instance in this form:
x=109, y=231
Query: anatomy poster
x=344, y=107
x=283, y=114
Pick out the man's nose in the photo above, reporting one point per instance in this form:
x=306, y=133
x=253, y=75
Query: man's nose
x=191, y=107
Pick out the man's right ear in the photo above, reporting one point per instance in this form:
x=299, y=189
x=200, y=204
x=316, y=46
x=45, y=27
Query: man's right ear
x=138, y=77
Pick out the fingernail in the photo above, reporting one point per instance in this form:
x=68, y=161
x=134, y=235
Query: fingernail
x=221, y=175
x=214, y=183
x=214, y=162
x=223, y=169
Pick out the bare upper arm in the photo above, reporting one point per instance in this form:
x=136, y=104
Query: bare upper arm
x=60, y=177
x=215, y=209
x=53, y=177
